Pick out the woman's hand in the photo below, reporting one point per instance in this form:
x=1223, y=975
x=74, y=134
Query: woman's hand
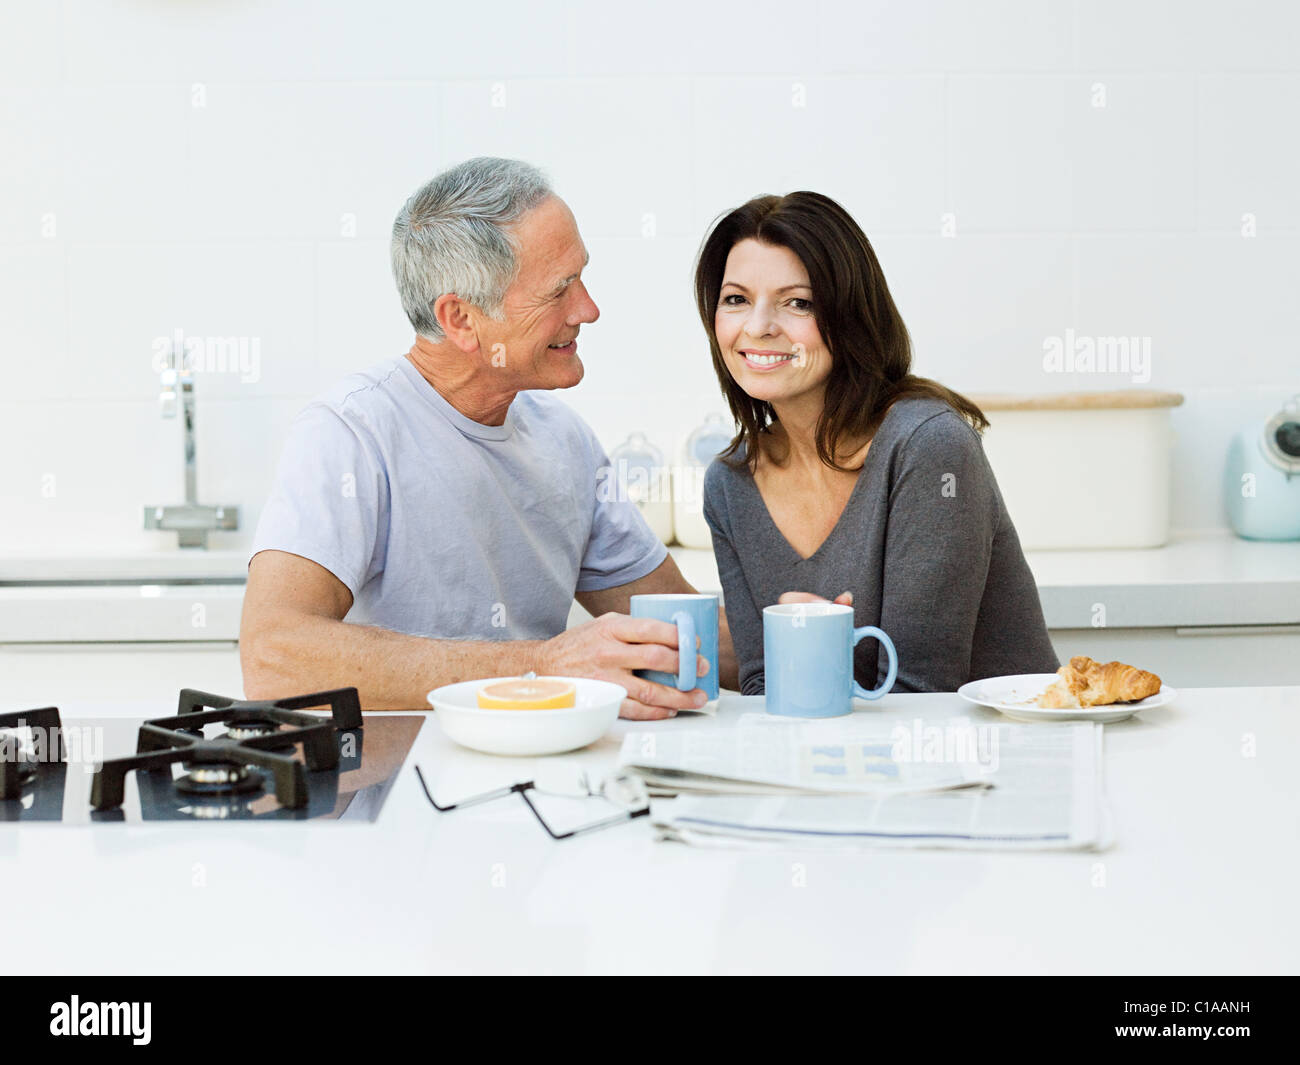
x=844, y=598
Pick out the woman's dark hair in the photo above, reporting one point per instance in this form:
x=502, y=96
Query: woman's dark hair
x=871, y=353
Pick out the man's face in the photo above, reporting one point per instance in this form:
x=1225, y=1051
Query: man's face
x=535, y=346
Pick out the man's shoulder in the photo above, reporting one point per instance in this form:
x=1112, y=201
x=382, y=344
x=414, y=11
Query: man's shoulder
x=544, y=403
x=361, y=390
x=352, y=412
x=546, y=415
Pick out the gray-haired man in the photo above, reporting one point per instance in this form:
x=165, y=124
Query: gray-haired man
x=444, y=502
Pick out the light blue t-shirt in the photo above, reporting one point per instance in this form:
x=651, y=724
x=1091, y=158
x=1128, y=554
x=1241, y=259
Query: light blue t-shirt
x=443, y=527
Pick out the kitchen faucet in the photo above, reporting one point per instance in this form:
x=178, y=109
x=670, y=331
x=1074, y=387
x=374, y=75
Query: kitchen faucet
x=191, y=520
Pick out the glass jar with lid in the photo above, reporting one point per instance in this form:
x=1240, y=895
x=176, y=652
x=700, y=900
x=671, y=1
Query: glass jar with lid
x=704, y=444
x=640, y=474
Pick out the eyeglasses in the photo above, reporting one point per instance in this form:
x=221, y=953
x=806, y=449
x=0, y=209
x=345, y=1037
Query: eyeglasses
x=624, y=790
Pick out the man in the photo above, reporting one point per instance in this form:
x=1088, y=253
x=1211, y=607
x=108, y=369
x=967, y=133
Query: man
x=444, y=502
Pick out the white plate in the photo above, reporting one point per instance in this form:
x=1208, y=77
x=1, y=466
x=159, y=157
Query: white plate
x=1015, y=696
x=527, y=732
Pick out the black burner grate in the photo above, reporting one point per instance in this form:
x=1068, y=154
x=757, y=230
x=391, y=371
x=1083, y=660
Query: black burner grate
x=219, y=766
x=17, y=763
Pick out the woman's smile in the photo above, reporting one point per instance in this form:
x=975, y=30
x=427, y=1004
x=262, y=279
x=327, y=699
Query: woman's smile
x=761, y=359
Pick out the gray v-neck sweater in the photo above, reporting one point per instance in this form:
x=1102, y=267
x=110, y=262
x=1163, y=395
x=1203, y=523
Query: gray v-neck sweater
x=925, y=545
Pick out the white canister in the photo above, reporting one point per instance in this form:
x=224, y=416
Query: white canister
x=701, y=447
x=639, y=474
x=1083, y=469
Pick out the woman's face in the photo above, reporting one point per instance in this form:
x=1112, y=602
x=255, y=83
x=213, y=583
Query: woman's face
x=765, y=326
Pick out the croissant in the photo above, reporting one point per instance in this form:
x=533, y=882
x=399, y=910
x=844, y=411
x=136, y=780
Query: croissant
x=1087, y=683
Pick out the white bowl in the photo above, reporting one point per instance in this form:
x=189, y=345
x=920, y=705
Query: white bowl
x=527, y=732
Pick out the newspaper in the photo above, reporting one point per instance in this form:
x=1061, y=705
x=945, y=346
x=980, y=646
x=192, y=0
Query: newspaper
x=768, y=755
x=1044, y=791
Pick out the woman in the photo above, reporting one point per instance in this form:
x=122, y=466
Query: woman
x=850, y=477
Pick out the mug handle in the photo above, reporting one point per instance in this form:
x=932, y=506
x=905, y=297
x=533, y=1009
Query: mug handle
x=858, y=636
x=686, y=651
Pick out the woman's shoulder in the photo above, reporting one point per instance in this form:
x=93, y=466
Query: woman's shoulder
x=725, y=491
x=725, y=472
x=925, y=423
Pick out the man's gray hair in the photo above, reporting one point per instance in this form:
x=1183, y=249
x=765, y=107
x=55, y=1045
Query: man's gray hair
x=453, y=236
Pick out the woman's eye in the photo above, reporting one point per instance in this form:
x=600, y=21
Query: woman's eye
x=801, y=304
x=726, y=300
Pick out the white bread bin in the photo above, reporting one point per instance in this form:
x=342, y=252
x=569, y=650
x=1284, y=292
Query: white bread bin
x=1083, y=469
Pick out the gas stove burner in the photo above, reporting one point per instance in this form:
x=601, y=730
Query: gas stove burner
x=245, y=759
x=343, y=704
x=219, y=779
x=216, y=811
x=19, y=763
x=250, y=728
x=116, y=772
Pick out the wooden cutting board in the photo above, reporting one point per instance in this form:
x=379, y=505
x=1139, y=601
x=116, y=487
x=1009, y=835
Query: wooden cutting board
x=1119, y=399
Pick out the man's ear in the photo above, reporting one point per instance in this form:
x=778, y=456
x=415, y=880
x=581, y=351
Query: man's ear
x=457, y=319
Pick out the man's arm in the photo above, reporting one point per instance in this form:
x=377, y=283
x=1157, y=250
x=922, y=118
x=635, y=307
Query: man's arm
x=292, y=640
x=665, y=578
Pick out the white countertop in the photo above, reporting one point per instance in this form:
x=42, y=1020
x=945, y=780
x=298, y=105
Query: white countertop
x=1194, y=581
x=170, y=564
x=1201, y=877
x=1216, y=579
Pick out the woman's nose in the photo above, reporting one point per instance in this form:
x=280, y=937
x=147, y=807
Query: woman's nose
x=761, y=322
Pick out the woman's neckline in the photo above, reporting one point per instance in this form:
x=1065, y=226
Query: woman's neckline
x=839, y=521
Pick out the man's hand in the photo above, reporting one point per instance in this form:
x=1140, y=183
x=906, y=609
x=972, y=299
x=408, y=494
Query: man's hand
x=610, y=647
x=844, y=598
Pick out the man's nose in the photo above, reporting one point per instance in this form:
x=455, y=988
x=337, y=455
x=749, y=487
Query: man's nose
x=585, y=310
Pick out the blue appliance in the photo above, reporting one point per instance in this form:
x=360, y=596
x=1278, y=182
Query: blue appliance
x=1262, y=478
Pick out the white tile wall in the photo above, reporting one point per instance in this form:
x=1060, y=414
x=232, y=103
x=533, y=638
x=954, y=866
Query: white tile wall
x=31, y=45
x=312, y=160
x=34, y=321
x=359, y=318
x=232, y=170
x=1204, y=36
x=30, y=118
x=1219, y=309
x=257, y=297
x=616, y=147
x=942, y=35
x=978, y=306
x=1009, y=153
x=835, y=135
x=1245, y=162
x=1131, y=150
x=125, y=166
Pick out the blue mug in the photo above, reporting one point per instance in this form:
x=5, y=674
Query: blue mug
x=808, y=659
x=694, y=615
